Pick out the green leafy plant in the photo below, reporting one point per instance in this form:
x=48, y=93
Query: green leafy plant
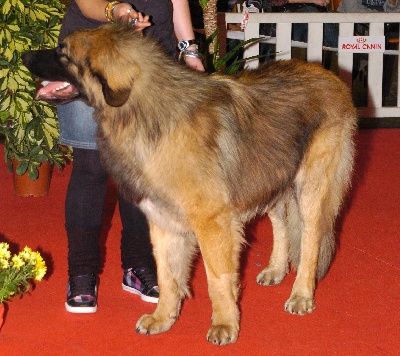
x=231, y=61
x=30, y=127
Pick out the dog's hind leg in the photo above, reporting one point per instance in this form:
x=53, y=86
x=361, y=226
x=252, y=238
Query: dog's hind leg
x=278, y=265
x=173, y=254
x=220, y=239
x=314, y=229
x=320, y=184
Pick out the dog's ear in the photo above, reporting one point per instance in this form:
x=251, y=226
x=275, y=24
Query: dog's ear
x=116, y=81
x=116, y=96
x=109, y=57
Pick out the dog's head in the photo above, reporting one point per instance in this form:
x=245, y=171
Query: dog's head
x=87, y=62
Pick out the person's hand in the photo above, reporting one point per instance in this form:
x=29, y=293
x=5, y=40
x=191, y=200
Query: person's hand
x=194, y=63
x=320, y=2
x=125, y=12
x=316, y=2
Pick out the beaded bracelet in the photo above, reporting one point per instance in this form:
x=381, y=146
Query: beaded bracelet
x=110, y=9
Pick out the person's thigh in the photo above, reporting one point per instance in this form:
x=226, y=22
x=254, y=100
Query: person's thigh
x=77, y=126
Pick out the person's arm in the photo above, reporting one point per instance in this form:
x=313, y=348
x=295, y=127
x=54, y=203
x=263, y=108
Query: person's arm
x=184, y=31
x=284, y=2
x=391, y=6
x=279, y=2
x=316, y=2
x=353, y=6
x=342, y=6
x=95, y=9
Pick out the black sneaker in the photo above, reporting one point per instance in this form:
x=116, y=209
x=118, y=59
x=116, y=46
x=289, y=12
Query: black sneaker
x=82, y=294
x=143, y=282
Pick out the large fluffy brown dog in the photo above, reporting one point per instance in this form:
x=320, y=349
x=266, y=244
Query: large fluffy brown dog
x=202, y=155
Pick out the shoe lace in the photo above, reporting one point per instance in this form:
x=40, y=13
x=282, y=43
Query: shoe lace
x=83, y=285
x=147, y=275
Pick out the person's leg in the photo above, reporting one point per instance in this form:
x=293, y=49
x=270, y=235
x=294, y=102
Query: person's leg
x=84, y=211
x=300, y=32
x=138, y=263
x=83, y=206
x=136, y=248
x=331, y=37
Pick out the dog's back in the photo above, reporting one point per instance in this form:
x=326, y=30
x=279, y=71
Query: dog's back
x=272, y=116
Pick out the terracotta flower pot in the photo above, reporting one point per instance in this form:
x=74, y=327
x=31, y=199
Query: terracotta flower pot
x=25, y=187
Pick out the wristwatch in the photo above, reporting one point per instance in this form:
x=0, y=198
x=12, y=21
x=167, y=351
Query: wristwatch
x=184, y=44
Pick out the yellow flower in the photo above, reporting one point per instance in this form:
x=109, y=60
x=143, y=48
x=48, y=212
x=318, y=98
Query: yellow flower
x=17, y=261
x=26, y=253
x=4, y=263
x=4, y=252
x=40, y=266
x=40, y=272
x=16, y=272
x=4, y=246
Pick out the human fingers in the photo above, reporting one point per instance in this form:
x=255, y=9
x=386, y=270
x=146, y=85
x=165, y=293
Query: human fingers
x=141, y=22
x=124, y=11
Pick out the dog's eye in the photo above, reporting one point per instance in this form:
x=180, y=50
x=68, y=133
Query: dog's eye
x=59, y=49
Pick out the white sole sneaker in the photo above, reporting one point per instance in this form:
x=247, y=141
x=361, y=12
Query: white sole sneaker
x=80, y=310
x=145, y=298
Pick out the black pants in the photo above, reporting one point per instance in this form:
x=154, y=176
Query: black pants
x=84, y=212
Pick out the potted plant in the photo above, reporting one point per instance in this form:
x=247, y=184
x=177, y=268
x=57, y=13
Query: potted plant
x=231, y=61
x=17, y=273
x=30, y=127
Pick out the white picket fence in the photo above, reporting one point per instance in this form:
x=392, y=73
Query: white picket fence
x=315, y=21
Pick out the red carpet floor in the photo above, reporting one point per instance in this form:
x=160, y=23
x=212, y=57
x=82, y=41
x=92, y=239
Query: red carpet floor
x=357, y=303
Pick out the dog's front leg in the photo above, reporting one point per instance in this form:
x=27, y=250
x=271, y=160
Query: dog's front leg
x=220, y=245
x=173, y=254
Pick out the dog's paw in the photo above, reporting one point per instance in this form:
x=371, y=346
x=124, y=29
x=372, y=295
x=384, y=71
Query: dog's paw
x=270, y=277
x=300, y=305
x=222, y=334
x=149, y=325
